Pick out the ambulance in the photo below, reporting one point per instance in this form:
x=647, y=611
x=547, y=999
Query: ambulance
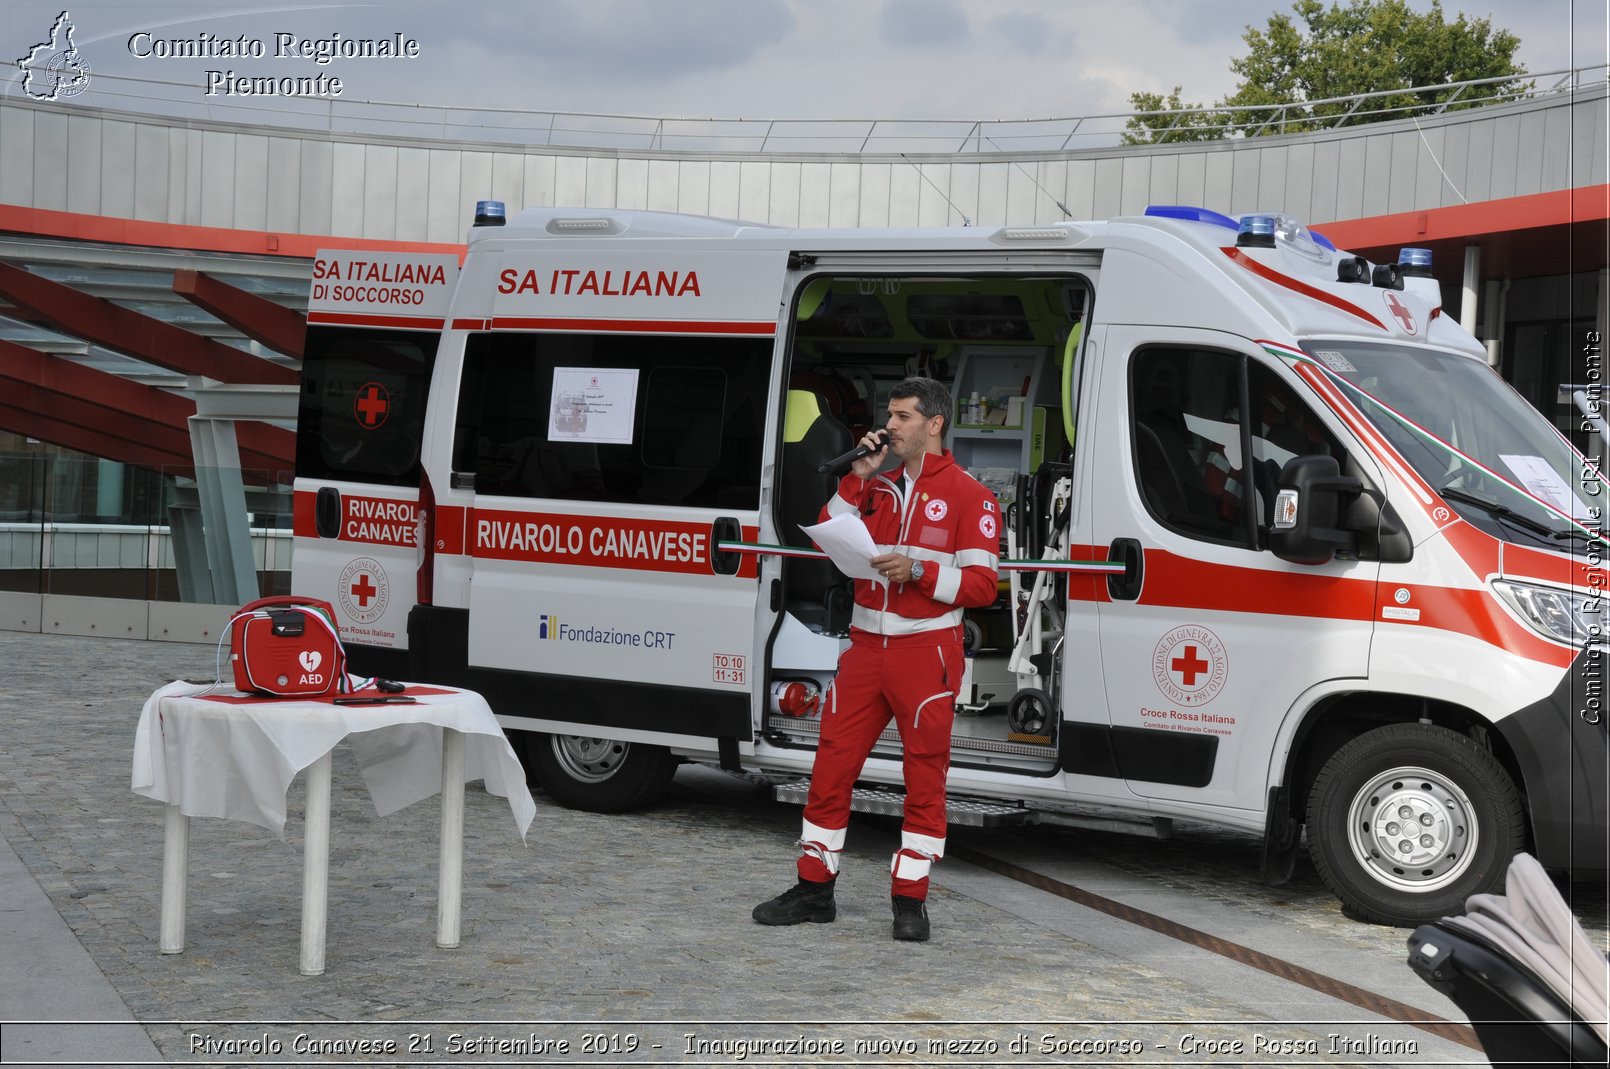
x=1280, y=552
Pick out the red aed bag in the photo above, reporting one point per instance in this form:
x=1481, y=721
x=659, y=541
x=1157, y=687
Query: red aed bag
x=287, y=647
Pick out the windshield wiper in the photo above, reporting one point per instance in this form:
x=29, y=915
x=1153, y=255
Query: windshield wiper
x=1504, y=512
x=1571, y=532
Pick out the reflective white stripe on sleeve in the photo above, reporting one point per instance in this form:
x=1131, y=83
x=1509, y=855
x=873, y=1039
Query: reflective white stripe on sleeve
x=968, y=558
x=837, y=506
x=888, y=623
x=947, y=584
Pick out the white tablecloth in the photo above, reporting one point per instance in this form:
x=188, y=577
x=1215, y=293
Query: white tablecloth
x=216, y=753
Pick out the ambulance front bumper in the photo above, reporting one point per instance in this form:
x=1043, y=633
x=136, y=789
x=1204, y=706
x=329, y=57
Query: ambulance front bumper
x=1561, y=744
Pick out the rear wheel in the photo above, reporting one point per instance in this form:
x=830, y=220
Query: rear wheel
x=1406, y=822
x=599, y=775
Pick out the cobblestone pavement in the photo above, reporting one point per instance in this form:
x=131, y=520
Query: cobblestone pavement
x=623, y=926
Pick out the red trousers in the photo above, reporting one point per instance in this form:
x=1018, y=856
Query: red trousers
x=912, y=680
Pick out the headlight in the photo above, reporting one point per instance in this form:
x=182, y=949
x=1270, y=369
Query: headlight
x=1563, y=615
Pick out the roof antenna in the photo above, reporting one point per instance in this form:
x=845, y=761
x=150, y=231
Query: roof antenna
x=1062, y=207
x=965, y=221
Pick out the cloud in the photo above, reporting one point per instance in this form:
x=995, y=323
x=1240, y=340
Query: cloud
x=954, y=59
x=922, y=23
x=1026, y=33
x=628, y=40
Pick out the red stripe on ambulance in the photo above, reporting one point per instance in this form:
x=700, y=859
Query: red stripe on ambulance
x=1238, y=257
x=451, y=524
x=303, y=503
x=1478, y=614
x=1182, y=582
x=1175, y=581
x=1586, y=573
x=357, y=319
x=633, y=326
x=1475, y=547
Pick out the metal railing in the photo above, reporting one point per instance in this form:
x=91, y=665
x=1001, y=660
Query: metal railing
x=1329, y=113
x=785, y=136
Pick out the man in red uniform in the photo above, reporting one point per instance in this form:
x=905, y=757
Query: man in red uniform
x=937, y=532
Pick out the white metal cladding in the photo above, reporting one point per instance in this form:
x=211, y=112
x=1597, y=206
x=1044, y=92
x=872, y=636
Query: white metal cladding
x=66, y=157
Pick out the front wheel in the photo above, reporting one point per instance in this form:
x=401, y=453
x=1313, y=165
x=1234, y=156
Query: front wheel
x=600, y=775
x=1406, y=822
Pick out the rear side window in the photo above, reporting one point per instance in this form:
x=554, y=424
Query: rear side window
x=362, y=411
x=632, y=418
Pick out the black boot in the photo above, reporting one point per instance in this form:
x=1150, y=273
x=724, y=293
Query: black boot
x=805, y=901
x=910, y=918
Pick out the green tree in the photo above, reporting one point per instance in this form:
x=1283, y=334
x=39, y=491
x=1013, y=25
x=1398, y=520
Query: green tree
x=1365, y=47
x=1176, y=121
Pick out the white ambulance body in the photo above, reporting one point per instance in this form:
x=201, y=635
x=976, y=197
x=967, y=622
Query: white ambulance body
x=1281, y=550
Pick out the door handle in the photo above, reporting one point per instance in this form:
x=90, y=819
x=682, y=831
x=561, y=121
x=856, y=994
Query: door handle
x=327, y=512
x=725, y=529
x=1126, y=551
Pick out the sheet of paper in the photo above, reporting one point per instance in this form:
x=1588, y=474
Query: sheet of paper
x=845, y=539
x=1545, y=483
x=592, y=404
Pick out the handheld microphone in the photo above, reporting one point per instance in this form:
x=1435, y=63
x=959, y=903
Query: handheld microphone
x=841, y=464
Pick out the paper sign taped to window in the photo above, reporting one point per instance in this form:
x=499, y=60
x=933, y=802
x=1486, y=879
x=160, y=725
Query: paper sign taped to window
x=593, y=404
x=1544, y=483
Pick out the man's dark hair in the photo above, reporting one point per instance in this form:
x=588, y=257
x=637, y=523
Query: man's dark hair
x=932, y=399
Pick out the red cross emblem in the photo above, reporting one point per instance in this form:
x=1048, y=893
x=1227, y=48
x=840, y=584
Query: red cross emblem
x=1189, y=666
x=372, y=405
x=1400, y=312
x=363, y=590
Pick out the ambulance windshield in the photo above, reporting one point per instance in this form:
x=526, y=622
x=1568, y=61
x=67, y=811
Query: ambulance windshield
x=1490, y=455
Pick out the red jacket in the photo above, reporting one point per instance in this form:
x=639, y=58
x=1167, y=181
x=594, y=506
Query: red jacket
x=952, y=524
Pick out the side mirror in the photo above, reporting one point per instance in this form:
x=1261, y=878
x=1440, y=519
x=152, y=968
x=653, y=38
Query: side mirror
x=1308, y=510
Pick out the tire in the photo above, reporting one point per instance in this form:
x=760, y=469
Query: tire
x=599, y=775
x=1467, y=811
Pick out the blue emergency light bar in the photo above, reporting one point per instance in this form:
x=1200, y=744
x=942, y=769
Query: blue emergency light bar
x=1195, y=215
x=1257, y=231
x=1415, y=263
x=489, y=213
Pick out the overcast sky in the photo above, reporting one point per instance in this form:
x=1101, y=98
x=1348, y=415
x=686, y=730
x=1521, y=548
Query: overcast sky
x=990, y=59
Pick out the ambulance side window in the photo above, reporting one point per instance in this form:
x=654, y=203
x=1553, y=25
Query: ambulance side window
x=1283, y=426
x=699, y=407
x=1188, y=437
x=1178, y=400
x=361, y=415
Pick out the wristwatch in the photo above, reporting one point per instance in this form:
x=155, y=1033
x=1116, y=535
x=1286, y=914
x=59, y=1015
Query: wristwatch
x=916, y=570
